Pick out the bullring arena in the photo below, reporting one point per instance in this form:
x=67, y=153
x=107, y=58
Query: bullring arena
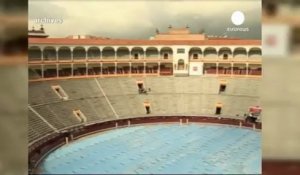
x=175, y=103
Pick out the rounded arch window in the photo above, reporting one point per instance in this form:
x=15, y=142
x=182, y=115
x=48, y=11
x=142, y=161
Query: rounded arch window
x=166, y=55
x=225, y=56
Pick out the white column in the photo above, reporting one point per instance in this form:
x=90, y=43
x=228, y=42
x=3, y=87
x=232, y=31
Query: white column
x=231, y=69
x=100, y=54
x=86, y=55
x=42, y=54
x=56, y=54
x=159, y=56
x=130, y=69
x=101, y=64
x=247, y=52
x=86, y=69
x=72, y=68
x=42, y=67
x=57, y=70
x=130, y=56
x=72, y=59
x=158, y=71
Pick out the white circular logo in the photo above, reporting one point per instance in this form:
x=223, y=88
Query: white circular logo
x=237, y=18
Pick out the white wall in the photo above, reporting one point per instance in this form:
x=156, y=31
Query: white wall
x=196, y=68
x=178, y=56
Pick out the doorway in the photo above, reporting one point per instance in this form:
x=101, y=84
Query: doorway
x=140, y=85
x=218, y=110
x=180, y=64
x=147, y=109
x=222, y=88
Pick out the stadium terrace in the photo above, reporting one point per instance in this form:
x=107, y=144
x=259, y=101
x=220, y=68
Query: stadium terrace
x=177, y=52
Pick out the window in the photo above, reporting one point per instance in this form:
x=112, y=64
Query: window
x=136, y=56
x=60, y=92
x=80, y=116
x=271, y=8
x=222, y=88
x=195, y=56
x=225, y=56
x=180, y=50
x=166, y=56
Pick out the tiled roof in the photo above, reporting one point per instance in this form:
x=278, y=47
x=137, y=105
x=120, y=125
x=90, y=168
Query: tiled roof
x=127, y=42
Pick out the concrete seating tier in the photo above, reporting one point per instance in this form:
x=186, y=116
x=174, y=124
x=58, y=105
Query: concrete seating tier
x=168, y=96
